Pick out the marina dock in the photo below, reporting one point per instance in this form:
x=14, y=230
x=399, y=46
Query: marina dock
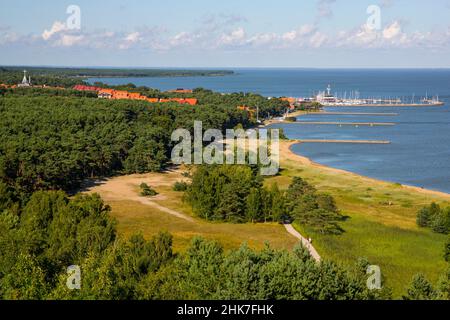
x=345, y=141
x=387, y=114
x=369, y=124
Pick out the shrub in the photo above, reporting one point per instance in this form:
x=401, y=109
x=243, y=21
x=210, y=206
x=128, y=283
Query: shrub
x=147, y=191
x=180, y=186
x=423, y=218
x=435, y=218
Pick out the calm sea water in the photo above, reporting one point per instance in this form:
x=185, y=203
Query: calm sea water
x=420, y=151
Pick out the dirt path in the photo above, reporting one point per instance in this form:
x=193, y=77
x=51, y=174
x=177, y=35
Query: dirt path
x=149, y=202
x=304, y=241
x=126, y=188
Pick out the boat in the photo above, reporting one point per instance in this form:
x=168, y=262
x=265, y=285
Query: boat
x=328, y=99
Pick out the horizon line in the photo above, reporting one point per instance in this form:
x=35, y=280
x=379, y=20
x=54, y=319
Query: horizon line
x=214, y=68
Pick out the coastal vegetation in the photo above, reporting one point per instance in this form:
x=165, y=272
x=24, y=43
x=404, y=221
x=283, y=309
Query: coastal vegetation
x=434, y=217
x=180, y=186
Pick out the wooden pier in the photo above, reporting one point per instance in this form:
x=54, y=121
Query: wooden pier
x=356, y=124
x=387, y=114
x=344, y=141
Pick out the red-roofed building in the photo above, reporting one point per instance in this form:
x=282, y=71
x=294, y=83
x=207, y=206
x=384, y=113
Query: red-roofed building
x=119, y=94
x=80, y=87
x=134, y=96
x=106, y=93
x=191, y=101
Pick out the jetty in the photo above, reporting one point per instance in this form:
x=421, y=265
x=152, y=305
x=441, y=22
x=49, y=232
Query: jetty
x=387, y=114
x=344, y=141
x=370, y=124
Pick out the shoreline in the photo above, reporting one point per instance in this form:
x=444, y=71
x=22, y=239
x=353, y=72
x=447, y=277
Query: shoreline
x=286, y=149
x=291, y=155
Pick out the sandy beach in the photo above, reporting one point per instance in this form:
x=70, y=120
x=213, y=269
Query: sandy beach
x=288, y=154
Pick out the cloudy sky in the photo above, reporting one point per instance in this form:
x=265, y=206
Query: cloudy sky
x=232, y=33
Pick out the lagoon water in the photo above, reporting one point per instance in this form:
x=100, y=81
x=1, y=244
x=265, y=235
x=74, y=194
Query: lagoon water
x=420, y=151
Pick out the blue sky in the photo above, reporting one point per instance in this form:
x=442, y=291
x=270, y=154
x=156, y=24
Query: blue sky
x=206, y=33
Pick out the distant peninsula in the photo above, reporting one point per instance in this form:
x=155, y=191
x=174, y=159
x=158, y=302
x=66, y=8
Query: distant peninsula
x=69, y=77
x=113, y=72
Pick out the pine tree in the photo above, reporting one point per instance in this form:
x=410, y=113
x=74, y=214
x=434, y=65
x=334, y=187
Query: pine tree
x=424, y=218
x=420, y=289
x=253, y=209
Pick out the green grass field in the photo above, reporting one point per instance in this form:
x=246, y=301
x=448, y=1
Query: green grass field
x=133, y=217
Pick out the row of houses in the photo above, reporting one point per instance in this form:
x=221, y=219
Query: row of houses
x=125, y=95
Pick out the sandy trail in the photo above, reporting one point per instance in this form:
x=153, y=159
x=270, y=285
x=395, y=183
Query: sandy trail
x=126, y=188
x=312, y=251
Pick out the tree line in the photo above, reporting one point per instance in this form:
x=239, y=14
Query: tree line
x=235, y=193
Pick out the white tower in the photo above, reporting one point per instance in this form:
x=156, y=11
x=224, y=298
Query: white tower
x=24, y=80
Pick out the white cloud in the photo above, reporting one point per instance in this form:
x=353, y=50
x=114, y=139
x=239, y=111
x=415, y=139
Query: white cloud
x=183, y=39
x=206, y=37
x=133, y=37
x=56, y=28
x=392, y=31
x=318, y=39
x=300, y=33
x=70, y=40
x=234, y=38
x=263, y=39
x=8, y=36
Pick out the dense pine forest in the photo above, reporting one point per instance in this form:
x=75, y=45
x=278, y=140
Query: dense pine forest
x=53, y=142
